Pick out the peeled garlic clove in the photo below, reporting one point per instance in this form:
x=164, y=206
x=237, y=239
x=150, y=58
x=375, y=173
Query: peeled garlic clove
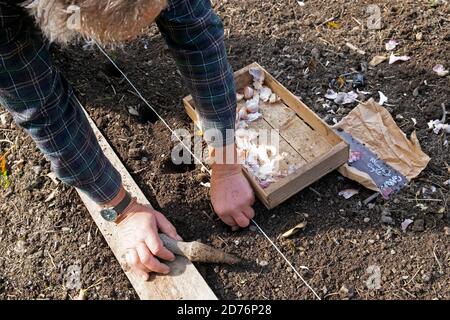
x=248, y=92
x=273, y=98
x=265, y=93
x=239, y=97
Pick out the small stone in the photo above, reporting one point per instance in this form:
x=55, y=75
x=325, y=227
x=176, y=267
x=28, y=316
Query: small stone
x=343, y=292
x=393, y=252
x=236, y=242
x=419, y=225
x=371, y=241
x=419, y=36
x=263, y=263
x=366, y=220
x=253, y=228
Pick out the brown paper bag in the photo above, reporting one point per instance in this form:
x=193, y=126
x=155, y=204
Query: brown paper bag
x=373, y=126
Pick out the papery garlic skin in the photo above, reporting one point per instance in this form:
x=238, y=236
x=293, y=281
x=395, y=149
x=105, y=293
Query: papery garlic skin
x=248, y=93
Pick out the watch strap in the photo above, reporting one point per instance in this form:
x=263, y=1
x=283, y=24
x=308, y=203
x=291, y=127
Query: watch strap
x=120, y=208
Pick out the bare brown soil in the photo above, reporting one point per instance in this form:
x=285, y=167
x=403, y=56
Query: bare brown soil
x=40, y=241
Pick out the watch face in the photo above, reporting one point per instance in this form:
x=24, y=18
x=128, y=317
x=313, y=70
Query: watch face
x=108, y=214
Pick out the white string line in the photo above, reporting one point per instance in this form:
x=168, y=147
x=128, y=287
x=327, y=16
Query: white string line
x=209, y=171
x=153, y=109
x=287, y=261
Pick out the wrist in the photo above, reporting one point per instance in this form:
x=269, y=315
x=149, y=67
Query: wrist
x=116, y=200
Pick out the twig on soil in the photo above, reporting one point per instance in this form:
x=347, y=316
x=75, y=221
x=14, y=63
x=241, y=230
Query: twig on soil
x=371, y=198
x=316, y=192
x=444, y=113
x=412, y=278
x=437, y=260
x=51, y=260
x=409, y=293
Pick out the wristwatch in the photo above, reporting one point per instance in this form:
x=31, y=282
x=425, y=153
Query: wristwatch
x=111, y=214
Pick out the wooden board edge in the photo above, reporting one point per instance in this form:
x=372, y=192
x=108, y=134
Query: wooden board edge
x=311, y=172
x=183, y=283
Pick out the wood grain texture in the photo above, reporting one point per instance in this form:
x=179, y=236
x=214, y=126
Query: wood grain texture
x=184, y=281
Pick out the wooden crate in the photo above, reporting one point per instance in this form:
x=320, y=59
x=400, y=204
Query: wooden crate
x=309, y=140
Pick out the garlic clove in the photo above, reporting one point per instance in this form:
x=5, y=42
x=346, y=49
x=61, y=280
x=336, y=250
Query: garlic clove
x=265, y=93
x=239, y=97
x=248, y=93
x=273, y=98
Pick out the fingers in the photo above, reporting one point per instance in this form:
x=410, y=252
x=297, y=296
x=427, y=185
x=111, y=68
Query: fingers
x=241, y=220
x=156, y=246
x=149, y=261
x=135, y=264
x=166, y=227
x=249, y=212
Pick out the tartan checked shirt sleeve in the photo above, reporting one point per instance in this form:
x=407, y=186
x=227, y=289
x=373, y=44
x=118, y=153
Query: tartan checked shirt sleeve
x=43, y=103
x=194, y=34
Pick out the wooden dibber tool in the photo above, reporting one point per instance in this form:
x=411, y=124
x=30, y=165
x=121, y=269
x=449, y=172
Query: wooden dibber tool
x=197, y=251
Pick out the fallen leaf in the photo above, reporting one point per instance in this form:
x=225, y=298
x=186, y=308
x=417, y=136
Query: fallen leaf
x=440, y=70
x=348, y=193
x=51, y=196
x=391, y=45
x=334, y=25
x=294, y=230
x=377, y=60
x=393, y=58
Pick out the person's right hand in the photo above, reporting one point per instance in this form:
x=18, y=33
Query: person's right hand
x=138, y=234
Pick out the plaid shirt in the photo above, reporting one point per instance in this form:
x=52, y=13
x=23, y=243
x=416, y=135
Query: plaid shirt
x=43, y=103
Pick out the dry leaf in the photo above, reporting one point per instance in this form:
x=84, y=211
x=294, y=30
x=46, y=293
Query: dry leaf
x=377, y=60
x=334, y=25
x=294, y=230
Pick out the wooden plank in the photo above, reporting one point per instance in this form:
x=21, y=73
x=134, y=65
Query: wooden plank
x=292, y=157
x=282, y=190
x=308, y=143
x=183, y=282
x=300, y=108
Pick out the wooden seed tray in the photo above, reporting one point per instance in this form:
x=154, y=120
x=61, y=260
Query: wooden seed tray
x=308, y=140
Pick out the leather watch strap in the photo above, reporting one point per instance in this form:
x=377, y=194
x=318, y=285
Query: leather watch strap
x=120, y=208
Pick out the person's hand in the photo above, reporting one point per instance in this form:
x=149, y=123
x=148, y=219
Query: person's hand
x=231, y=195
x=138, y=234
